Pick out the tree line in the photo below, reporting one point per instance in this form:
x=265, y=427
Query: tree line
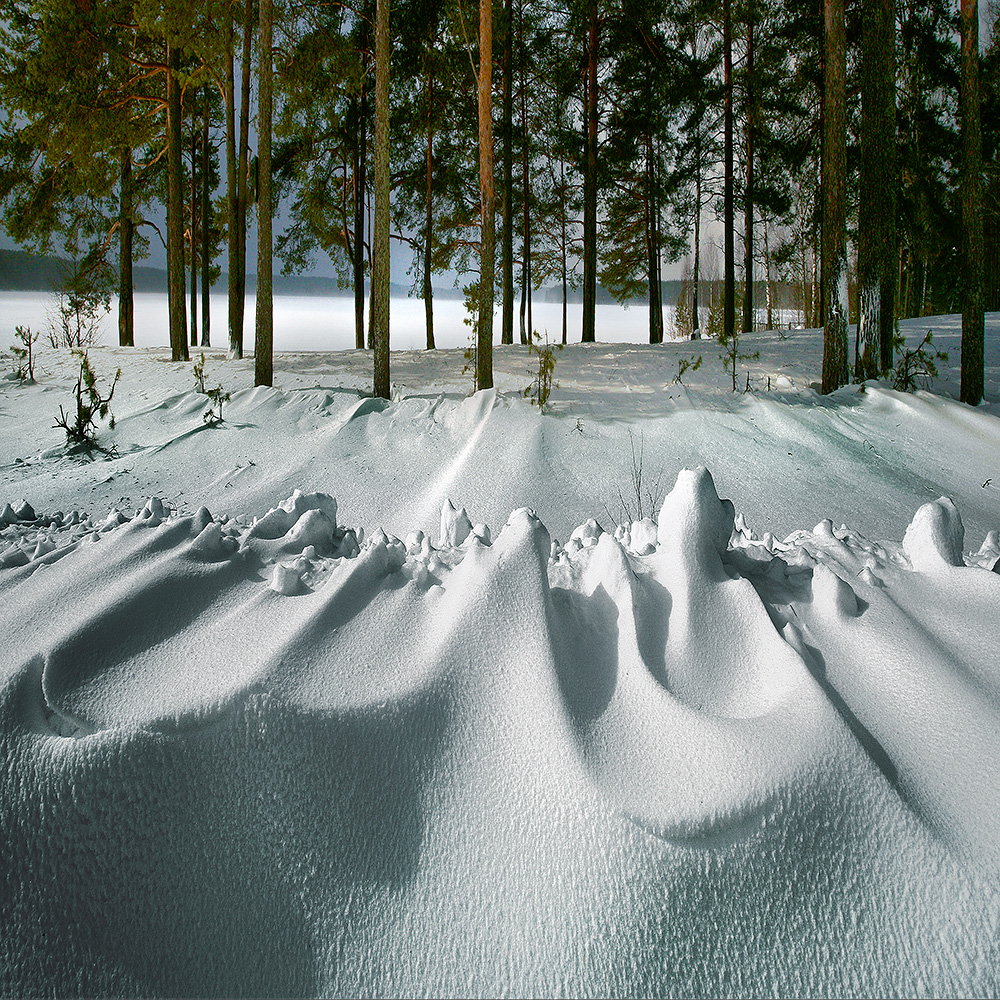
x=849, y=147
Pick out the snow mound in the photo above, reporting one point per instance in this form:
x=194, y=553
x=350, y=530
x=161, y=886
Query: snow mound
x=321, y=760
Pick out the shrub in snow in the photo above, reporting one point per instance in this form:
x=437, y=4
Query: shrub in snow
x=24, y=364
x=80, y=306
x=542, y=384
x=642, y=499
x=81, y=429
x=213, y=415
x=915, y=368
x=684, y=365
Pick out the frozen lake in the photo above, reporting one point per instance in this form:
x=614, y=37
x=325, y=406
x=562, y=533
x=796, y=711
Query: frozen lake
x=316, y=323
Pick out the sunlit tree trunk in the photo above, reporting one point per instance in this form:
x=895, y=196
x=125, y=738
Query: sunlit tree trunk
x=507, y=224
x=380, y=234
x=175, y=213
x=484, y=340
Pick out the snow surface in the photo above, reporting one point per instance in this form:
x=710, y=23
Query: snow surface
x=425, y=697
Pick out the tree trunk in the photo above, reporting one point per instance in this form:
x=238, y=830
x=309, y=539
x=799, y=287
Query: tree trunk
x=206, y=228
x=380, y=235
x=175, y=213
x=748, y=194
x=243, y=199
x=526, y=325
x=729, y=303
x=360, y=187
x=429, y=215
x=973, y=373
x=126, y=230
x=487, y=266
x=507, y=224
x=232, y=194
x=563, y=245
x=652, y=271
x=834, y=265
x=695, y=321
x=264, y=340
x=877, y=189
x=193, y=242
x=590, y=185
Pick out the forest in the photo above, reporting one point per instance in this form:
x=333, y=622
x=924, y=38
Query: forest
x=845, y=151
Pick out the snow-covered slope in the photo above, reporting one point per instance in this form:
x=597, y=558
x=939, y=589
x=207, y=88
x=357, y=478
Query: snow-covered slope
x=412, y=698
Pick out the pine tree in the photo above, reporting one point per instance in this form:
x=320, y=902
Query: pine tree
x=380, y=234
x=834, y=279
x=487, y=264
x=264, y=339
x=972, y=211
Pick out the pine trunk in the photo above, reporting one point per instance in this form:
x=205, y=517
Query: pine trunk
x=834, y=264
x=193, y=241
x=206, y=228
x=507, y=224
x=487, y=266
x=126, y=230
x=748, y=194
x=360, y=186
x=429, y=217
x=973, y=374
x=729, y=303
x=242, y=180
x=380, y=234
x=264, y=339
x=175, y=213
x=590, y=185
x=232, y=193
x=877, y=188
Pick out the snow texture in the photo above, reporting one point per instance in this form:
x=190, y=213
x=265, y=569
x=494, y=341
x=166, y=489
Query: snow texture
x=297, y=721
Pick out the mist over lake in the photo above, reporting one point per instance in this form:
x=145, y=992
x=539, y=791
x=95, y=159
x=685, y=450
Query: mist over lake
x=320, y=323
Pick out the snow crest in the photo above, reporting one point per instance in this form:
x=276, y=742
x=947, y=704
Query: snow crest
x=418, y=748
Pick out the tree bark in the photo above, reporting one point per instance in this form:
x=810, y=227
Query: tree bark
x=429, y=215
x=526, y=324
x=380, y=234
x=243, y=199
x=206, y=228
x=590, y=185
x=193, y=242
x=487, y=266
x=973, y=373
x=507, y=224
x=175, y=213
x=232, y=194
x=264, y=339
x=126, y=230
x=834, y=183
x=748, y=194
x=360, y=187
x=729, y=301
x=877, y=254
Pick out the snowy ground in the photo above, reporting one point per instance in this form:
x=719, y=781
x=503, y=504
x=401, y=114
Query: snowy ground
x=277, y=718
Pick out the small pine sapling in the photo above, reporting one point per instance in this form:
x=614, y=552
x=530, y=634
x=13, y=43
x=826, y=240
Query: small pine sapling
x=732, y=356
x=24, y=365
x=217, y=397
x=542, y=384
x=213, y=415
x=199, y=375
x=81, y=433
x=916, y=366
x=684, y=365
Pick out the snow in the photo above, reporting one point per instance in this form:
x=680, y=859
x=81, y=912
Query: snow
x=345, y=696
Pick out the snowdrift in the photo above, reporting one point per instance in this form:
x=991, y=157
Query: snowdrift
x=270, y=753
